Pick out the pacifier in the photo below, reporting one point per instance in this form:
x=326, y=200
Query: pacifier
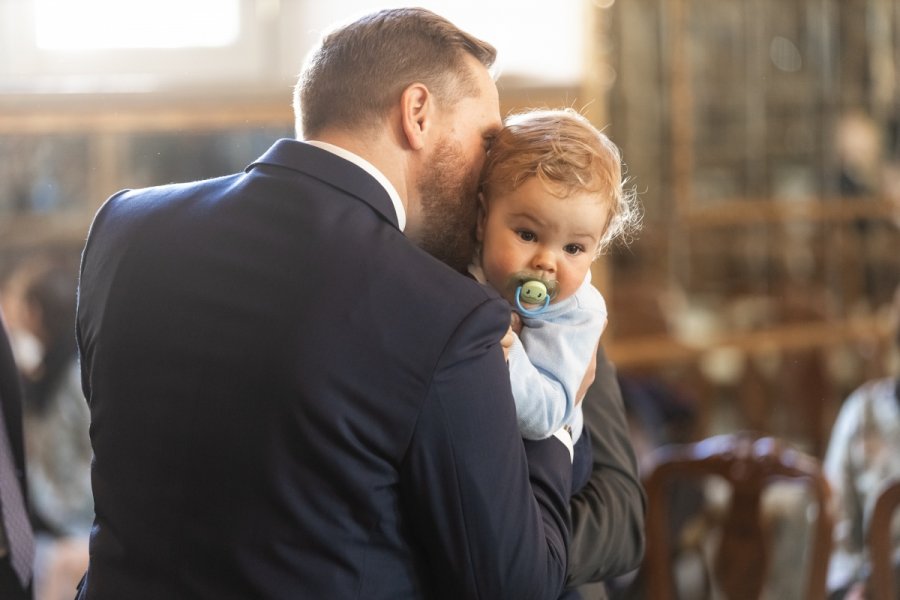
x=533, y=290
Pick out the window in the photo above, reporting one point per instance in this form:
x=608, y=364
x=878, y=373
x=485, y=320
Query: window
x=109, y=46
x=68, y=25
x=102, y=46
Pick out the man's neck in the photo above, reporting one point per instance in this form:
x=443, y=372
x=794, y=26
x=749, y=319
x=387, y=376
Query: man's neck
x=380, y=152
x=376, y=161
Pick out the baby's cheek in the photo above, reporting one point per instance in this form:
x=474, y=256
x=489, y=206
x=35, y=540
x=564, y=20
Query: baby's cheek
x=496, y=272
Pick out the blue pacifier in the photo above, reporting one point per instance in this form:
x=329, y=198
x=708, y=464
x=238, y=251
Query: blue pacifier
x=533, y=291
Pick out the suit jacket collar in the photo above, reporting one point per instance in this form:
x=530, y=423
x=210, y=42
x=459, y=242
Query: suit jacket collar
x=331, y=169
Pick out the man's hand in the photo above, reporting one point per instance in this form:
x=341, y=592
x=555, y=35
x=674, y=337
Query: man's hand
x=515, y=326
x=515, y=322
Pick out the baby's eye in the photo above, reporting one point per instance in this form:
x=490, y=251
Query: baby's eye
x=527, y=236
x=573, y=249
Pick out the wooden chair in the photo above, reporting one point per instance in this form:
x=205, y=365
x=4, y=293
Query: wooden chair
x=881, y=583
x=749, y=464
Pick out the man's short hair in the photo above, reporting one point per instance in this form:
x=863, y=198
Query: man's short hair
x=360, y=69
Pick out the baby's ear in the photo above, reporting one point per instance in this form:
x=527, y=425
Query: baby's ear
x=482, y=217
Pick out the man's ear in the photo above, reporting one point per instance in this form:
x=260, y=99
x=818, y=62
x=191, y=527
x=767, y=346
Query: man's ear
x=482, y=218
x=417, y=106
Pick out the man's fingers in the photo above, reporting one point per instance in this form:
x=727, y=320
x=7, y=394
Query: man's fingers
x=515, y=322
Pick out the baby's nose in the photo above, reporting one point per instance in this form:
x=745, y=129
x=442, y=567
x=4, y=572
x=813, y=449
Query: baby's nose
x=545, y=261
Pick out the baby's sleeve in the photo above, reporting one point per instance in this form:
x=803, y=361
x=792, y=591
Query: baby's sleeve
x=547, y=363
x=542, y=405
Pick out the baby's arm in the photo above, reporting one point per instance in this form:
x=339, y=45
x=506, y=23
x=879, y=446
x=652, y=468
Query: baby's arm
x=549, y=363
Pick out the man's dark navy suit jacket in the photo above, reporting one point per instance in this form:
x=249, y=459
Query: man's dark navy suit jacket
x=291, y=400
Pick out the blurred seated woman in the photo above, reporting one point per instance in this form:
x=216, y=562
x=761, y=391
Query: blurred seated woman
x=39, y=299
x=863, y=453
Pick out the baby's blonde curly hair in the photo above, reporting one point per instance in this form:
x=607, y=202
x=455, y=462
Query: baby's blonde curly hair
x=568, y=155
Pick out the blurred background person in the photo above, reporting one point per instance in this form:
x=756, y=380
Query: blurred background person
x=16, y=537
x=39, y=298
x=863, y=454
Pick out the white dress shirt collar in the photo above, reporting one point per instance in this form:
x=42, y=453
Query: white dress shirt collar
x=371, y=170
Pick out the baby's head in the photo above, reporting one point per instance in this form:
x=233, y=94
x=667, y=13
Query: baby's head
x=552, y=199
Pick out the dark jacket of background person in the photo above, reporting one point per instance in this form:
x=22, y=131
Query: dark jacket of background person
x=607, y=513
x=290, y=400
x=11, y=404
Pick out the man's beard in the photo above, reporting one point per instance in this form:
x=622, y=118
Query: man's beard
x=449, y=207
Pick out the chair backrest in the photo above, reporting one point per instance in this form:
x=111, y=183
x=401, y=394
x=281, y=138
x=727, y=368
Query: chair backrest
x=881, y=582
x=749, y=464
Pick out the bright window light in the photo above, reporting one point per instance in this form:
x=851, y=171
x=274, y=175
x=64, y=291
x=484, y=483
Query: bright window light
x=534, y=38
x=99, y=24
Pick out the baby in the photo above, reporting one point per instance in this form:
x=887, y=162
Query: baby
x=552, y=198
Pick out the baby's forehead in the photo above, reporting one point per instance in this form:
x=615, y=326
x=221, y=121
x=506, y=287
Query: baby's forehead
x=555, y=193
x=582, y=212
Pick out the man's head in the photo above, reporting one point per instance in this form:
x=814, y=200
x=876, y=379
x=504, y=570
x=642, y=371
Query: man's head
x=358, y=72
x=412, y=78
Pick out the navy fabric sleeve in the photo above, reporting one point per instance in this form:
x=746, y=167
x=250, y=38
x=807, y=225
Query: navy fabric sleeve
x=493, y=526
x=582, y=462
x=607, y=513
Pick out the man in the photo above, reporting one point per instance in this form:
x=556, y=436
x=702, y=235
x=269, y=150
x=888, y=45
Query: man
x=16, y=541
x=289, y=399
